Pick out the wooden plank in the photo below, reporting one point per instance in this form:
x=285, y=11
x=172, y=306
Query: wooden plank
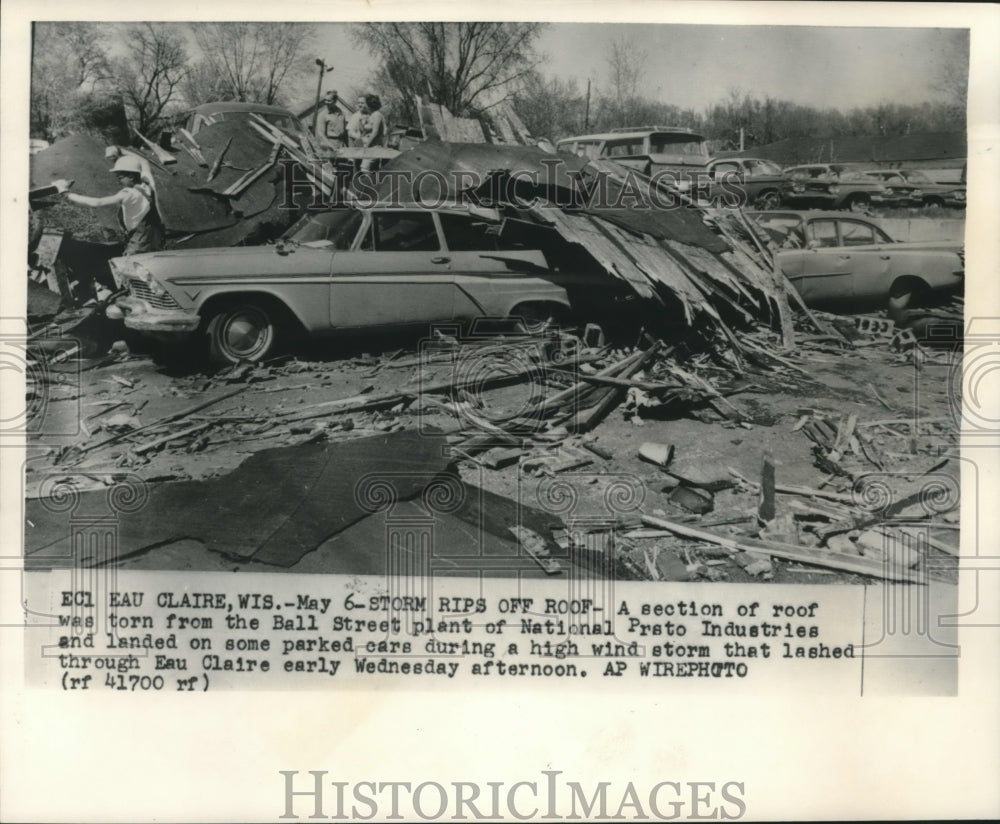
x=790, y=552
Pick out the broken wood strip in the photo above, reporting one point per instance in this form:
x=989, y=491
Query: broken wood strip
x=581, y=231
x=164, y=420
x=845, y=431
x=797, y=490
x=779, y=359
x=790, y=552
x=645, y=386
x=646, y=256
x=146, y=447
x=577, y=388
x=360, y=402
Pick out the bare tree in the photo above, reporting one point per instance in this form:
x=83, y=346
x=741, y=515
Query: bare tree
x=625, y=65
x=148, y=78
x=253, y=61
x=467, y=67
x=66, y=57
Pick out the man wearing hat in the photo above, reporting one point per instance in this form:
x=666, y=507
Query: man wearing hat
x=331, y=125
x=137, y=213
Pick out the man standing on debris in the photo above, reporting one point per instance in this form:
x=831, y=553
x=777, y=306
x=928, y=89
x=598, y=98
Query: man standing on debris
x=331, y=125
x=137, y=213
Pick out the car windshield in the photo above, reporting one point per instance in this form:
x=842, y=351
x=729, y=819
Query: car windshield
x=677, y=144
x=335, y=229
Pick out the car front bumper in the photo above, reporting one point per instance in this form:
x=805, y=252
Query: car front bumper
x=162, y=324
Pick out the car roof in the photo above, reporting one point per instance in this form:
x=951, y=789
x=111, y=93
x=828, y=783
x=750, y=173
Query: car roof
x=738, y=158
x=415, y=206
x=813, y=214
x=636, y=133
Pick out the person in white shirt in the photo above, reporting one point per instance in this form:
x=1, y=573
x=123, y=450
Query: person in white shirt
x=137, y=201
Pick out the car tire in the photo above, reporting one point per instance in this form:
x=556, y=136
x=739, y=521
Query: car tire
x=904, y=294
x=768, y=201
x=241, y=332
x=857, y=203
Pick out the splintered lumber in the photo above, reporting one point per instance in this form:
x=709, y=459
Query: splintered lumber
x=585, y=421
x=603, y=380
x=801, y=490
x=360, y=402
x=790, y=552
x=146, y=447
x=160, y=422
x=766, y=510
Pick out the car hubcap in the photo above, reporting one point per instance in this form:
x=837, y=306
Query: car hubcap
x=246, y=334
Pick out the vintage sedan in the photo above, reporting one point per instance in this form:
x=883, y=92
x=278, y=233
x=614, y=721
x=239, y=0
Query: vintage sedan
x=746, y=181
x=934, y=193
x=902, y=192
x=832, y=186
x=352, y=269
x=671, y=152
x=837, y=260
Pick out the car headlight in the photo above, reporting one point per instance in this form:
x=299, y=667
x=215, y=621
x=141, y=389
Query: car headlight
x=960, y=195
x=133, y=269
x=833, y=189
x=798, y=187
x=916, y=193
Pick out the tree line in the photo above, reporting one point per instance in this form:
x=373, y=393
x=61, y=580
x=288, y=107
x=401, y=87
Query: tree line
x=80, y=75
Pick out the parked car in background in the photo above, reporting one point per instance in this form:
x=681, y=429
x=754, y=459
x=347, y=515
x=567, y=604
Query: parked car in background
x=837, y=260
x=832, y=186
x=935, y=194
x=902, y=192
x=347, y=270
x=746, y=181
x=678, y=153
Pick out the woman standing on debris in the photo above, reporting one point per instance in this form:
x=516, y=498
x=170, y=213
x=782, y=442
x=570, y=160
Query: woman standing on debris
x=373, y=131
x=137, y=213
x=357, y=124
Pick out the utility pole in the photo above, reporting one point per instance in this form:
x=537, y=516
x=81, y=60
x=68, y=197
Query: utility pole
x=323, y=69
x=586, y=116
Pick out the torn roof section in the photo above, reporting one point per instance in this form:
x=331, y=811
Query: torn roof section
x=665, y=247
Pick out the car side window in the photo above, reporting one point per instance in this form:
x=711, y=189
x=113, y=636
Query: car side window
x=624, y=148
x=854, y=233
x=468, y=233
x=401, y=232
x=824, y=233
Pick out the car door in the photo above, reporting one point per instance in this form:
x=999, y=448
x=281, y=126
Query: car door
x=826, y=274
x=868, y=259
x=491, y=275
x=396, y=274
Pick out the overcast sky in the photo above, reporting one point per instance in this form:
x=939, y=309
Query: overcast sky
x=692, y=66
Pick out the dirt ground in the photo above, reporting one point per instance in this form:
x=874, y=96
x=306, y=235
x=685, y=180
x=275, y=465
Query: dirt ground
x=903, y=400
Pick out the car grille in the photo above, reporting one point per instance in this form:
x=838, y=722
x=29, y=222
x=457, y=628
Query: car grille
x=140, y=289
